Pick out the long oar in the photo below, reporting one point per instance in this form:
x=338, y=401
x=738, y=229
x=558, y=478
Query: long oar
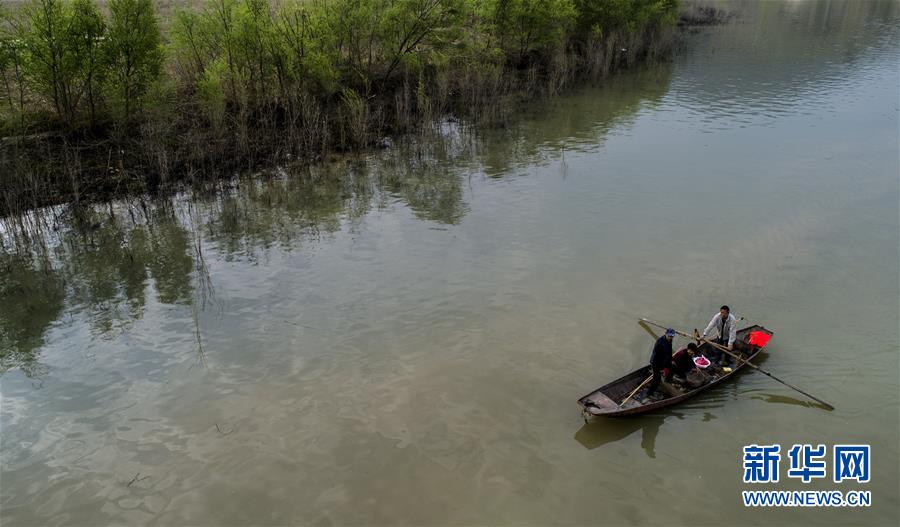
x=647, y=329
x=630, y=395
x=625, y=400
x=740, y=359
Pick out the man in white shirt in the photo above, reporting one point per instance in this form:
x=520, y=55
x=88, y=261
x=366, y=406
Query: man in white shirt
x=725, y=326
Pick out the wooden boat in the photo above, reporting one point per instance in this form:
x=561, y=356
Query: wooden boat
x=605, y=401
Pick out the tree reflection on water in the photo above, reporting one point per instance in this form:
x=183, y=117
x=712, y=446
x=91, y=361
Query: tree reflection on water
x=102, y=262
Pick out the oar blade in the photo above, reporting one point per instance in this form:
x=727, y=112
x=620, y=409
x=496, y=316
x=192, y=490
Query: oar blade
x=643, y=323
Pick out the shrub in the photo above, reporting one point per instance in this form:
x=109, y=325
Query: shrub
x=524, y=27
x=134, y=52
x=54, y=63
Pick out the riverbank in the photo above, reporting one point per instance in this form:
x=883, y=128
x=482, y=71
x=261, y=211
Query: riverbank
x=121, y=107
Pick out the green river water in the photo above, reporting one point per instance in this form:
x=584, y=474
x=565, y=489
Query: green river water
x=400, y=338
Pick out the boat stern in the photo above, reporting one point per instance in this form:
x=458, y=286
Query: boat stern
x=598, y=403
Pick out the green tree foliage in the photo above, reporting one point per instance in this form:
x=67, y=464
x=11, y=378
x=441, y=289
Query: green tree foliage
x=85, y=34
x=600, y=17
x=52, y=63
x=414, y=32
x=242, y=62
x=65, y=56
x=134, y=51
x=307, y=48
x=524, y=27
x=230, y=50
x=12, y=68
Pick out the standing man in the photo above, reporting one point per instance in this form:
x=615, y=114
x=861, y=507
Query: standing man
x=661, y=361
x=726, y=326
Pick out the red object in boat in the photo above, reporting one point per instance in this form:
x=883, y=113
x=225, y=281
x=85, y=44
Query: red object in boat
x=759, y=338
x=701, y=362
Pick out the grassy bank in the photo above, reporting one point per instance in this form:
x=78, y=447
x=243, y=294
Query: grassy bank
x=102, y=99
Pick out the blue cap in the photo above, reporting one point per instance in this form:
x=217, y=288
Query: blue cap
x=670, y=332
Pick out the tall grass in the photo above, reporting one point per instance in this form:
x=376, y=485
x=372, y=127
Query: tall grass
x=96, y=100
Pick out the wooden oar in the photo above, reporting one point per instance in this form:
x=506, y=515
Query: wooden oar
x=625, y=400
x=647, y=329
x=740, y=359
x=764, y=372
x=630, y=395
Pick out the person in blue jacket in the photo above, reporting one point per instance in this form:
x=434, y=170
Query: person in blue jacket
x=661, y=361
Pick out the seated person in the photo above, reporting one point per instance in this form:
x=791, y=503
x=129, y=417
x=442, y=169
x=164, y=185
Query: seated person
x=683, y=360
x=683, y=365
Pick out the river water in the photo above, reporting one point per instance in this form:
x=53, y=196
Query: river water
x=400, y=339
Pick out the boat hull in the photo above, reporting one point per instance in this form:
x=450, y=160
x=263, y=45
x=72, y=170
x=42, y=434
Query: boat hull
x=605, y=401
